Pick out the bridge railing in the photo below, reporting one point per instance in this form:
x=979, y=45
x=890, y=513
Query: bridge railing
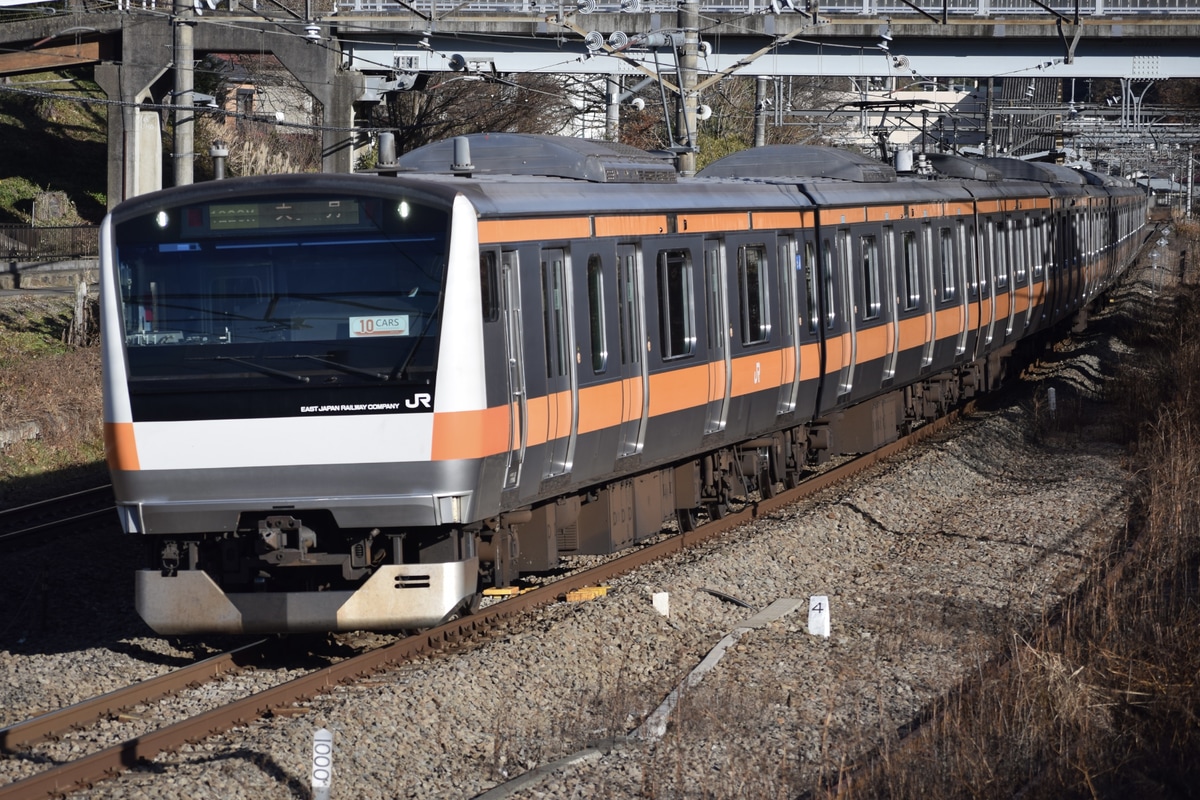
x=827, y=8
x=28, y=243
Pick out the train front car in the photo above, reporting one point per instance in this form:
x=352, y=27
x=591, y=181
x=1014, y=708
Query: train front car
x=271, y=352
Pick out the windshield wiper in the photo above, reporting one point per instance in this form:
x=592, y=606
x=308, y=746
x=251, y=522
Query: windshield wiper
x=261, y=368
x=404, y=365
x=343, y=367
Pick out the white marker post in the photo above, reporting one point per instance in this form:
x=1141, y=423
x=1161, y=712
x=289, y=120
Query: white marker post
x=322, y=764
x=818, y=615
x=662, y=603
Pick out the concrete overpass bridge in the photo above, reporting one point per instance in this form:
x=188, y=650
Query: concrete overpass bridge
x=346, y=52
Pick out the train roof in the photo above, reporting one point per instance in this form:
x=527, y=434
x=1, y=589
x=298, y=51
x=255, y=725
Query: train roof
x=794, y=162
x=538, y=155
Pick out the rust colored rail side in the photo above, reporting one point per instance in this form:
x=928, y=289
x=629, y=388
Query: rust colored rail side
x=52, y=724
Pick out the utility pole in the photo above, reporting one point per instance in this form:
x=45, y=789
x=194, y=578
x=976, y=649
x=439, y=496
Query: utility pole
x=185, y=115
x=760, y=110
x=989, y=144
x=1191, y=176
x=689, y=62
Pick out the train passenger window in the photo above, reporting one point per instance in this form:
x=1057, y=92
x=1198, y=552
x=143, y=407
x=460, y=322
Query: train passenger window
x=752, y=289
x=554, y=304
x=810, y=289
x=946, y=251
x=489, y=286
x=1003, y=248
x=1039, y=247
x=627, y=308
x=676, y=322
x=870, y=278
x=714, y=305
x=599, y=337
x=912, y=271
x=1021, y=232
x=827, y=277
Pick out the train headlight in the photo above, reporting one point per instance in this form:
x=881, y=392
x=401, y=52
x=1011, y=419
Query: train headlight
x=162, y=219
x=403, y=209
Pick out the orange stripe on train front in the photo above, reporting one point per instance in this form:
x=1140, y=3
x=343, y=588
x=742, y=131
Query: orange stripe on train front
x=470, y=434
x=120, y=447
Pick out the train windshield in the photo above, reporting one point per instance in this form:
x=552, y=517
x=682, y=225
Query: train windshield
x=270, y=290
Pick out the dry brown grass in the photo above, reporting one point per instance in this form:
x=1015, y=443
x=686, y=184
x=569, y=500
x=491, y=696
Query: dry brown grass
x=52, y=384
x=1104, y=700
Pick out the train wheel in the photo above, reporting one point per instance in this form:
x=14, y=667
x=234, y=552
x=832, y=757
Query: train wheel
x=766, y=486
x=686, y=518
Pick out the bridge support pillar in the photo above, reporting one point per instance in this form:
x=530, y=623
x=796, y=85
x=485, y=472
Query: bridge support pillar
x=135, y=133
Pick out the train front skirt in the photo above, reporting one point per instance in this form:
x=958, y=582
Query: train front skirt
x=423, y=595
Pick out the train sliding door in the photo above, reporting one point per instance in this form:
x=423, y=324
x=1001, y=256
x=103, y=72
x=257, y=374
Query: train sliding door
x=846, y=280
x=788, y=321
x=562, y=391
x=631, y=323
x=514, y=351
x=891, y=304
x=717, y=327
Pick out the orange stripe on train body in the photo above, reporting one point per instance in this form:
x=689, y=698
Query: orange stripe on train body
x=678, y=389
x=949, y=322
x=120, y=447
x=707, y=223
x=537, y=415
x=873, y=343
x=810, y=362
x=498, y=231
x=560, y=405
x=761, y=220
x=837, y=353
x=787, y=365
x=645, y=225
x=631, y=399
x=842, y=216
x=485, y=432
x=600, y=407
x=755, y=373
x=716, y=380
x=912, y=332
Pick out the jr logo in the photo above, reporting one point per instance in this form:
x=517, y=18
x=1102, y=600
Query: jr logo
x=419, y=400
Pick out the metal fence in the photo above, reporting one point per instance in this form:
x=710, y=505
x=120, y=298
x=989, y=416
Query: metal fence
x=898, y=8
x=27, y=243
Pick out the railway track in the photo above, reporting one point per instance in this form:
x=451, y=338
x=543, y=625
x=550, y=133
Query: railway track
x=284, y=698
x=55, y=514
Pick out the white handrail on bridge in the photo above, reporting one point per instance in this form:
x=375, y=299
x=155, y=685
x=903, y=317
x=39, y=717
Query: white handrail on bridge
x=867, y=8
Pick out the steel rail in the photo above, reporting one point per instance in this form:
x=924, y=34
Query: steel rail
x=21, y=735
x=281, y=699
x=10, y=518
x=50, y=500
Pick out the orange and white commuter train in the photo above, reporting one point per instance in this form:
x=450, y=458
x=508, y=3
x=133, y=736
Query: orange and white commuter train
x=340, y=402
